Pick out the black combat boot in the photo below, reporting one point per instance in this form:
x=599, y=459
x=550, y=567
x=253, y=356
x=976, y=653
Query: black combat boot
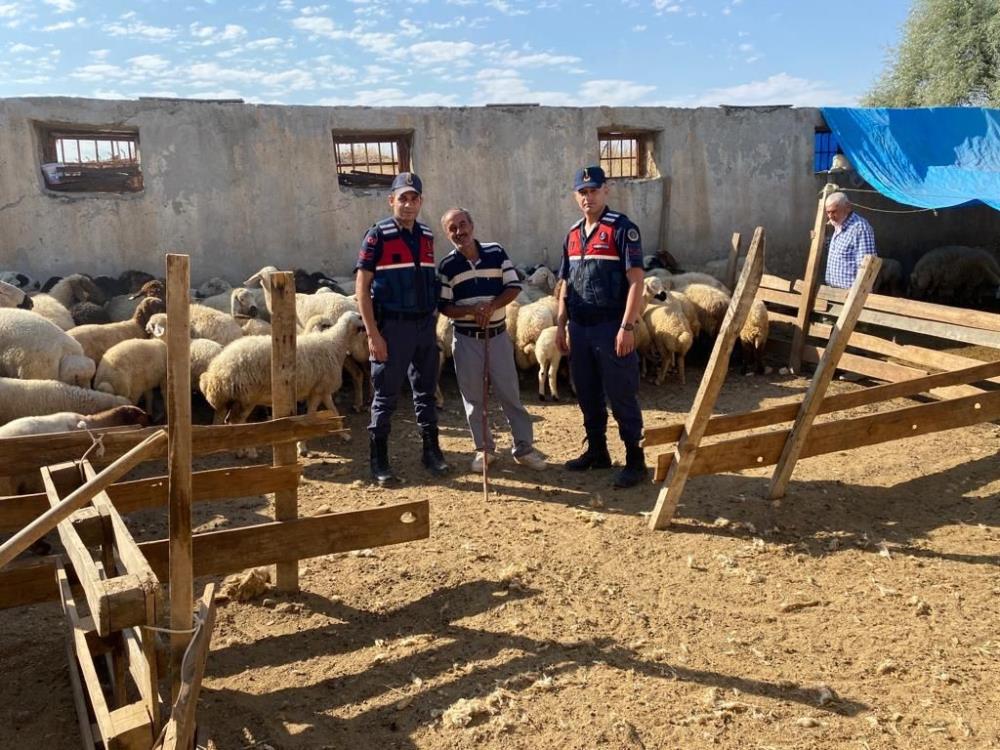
x=596, y=455
x=379, y=460
x=432, y=458
x=634, y=470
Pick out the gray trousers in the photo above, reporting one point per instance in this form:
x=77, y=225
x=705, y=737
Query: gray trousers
x=469, y=354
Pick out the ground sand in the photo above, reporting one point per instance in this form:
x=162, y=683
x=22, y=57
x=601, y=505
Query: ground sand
x=861, y=613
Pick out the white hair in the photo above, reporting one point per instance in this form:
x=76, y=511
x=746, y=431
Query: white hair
x=837, y=199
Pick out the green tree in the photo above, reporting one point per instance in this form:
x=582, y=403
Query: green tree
x=949, y=55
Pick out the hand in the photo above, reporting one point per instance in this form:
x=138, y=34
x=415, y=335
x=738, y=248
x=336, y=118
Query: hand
x=378, y=350
x=482, y=313
x=624, y=342
x=562, y=340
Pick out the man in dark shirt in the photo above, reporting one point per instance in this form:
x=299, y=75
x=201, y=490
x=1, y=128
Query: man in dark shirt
x=600, y=303
x=397, y=298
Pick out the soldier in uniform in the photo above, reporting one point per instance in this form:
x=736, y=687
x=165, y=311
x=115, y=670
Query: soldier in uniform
x=598, y=309
x=397, y=291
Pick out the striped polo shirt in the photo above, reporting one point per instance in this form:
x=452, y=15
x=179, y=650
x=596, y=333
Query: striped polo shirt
x=466, y=283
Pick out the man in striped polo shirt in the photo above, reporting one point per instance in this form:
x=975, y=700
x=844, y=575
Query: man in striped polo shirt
x=477, y=282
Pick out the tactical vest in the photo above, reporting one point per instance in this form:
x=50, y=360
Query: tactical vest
x=597, y=276
x=404, y=283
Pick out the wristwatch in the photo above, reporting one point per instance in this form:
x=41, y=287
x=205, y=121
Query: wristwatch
x=627, y=326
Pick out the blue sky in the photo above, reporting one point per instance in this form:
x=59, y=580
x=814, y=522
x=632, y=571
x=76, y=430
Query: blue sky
x=450, y=52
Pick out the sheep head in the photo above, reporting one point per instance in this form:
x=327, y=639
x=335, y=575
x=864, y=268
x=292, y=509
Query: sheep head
x=242, y=303
x=152, y=288
x=147, y=309
x=12, y=296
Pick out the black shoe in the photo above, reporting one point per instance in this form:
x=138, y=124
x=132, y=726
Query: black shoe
x=432, y=458
x=634, y=470
x=379, y=460
x=596, y=455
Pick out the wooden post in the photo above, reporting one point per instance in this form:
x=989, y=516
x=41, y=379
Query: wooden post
x=283, y=403
x=79, y=497
x=731, y=264
x=711, y=384
x=813, y=399
x=179, y=460
x=811, y=280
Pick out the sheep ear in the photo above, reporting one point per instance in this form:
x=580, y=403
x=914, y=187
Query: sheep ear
x=158, y=330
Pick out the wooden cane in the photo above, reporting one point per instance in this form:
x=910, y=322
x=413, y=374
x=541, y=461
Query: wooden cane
x=486, y=411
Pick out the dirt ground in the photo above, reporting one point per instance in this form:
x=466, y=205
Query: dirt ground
x=860, y=613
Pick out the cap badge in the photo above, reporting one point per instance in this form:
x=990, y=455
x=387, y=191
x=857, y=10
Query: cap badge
x=586, y=175
x=408, y=179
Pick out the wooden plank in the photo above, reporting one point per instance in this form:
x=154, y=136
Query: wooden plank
x=233, y=550
x=179, y=460
x=724, y=423
x=141, y=649
x=731, y=261
x=17, y=511
x=769, y=281
x=763, y=449
x=911, y=308
x=78, y=498
x=811, y=277
x=813, y=398
x=128, y=551
x=283, y=404
x=114, y=603
x=711, y=384
x=790, y=299
x=182, y=724
x=28, y=454
x=124, y=728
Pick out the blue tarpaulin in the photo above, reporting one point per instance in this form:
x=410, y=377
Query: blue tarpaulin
x=932, y=157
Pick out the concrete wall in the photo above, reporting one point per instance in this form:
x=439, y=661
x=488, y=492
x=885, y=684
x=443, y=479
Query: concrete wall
x=238, y=186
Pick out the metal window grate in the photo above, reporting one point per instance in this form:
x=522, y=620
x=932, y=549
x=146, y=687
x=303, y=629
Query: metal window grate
x=91, y=161
x=370, y=161
x=825, y=147
x=620, y=155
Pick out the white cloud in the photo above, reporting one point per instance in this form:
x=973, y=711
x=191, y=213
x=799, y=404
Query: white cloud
x=286, y=5
x=538, y=59
x=430, y=53
x=639, y=27
x=777, y=89
x=100, y=54
x=19, y=48
x=98, y=72
x=140, y=30
x=613, y=92
x=319, y=26
x=212, y=35
x=61, y=26
x=62, y=6
x=269, y=42
x=149, y=64
x=391, y=97
x=506, y=8
x=10, y=10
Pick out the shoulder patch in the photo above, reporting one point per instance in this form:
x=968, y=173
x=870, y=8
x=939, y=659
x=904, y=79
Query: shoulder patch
x=632, y=234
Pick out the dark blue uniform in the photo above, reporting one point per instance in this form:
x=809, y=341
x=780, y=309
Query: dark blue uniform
x=594, y=268
x=404, y=295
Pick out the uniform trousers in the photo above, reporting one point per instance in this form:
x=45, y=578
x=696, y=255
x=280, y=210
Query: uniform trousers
x=598, y=373
x=469, y=354
x=412, y=354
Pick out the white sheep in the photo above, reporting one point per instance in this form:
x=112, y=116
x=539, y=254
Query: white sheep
x=60, y=299
x=22, y=281
x=681, y=281
x=134, y=368
x=97, y=338
x=541, y=283
x=331, y=305
x=67, y=421
x=204, y=323
x=203, y=351
x=356, y=363
x=711, y=305
x=122, y=307
x=445, y=335
x=955, y=273
x=33, y=348
x=532, y=319
x=548, y=356
x=212, y=287
x=669, y=335
x=239, y=379
x=753, y=337
x=29, y=398
x=255, y=327
x=13, y=296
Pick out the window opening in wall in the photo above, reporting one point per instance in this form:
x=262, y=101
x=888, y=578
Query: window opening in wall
x=370, y=160
x=91, y=161
x=825, y=147
x=625, y=154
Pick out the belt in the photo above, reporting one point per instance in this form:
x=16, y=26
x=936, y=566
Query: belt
x=479, y=333
x=595, y=317
x=390, y=315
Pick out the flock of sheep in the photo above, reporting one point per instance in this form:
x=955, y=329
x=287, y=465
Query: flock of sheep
x=81, y=345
